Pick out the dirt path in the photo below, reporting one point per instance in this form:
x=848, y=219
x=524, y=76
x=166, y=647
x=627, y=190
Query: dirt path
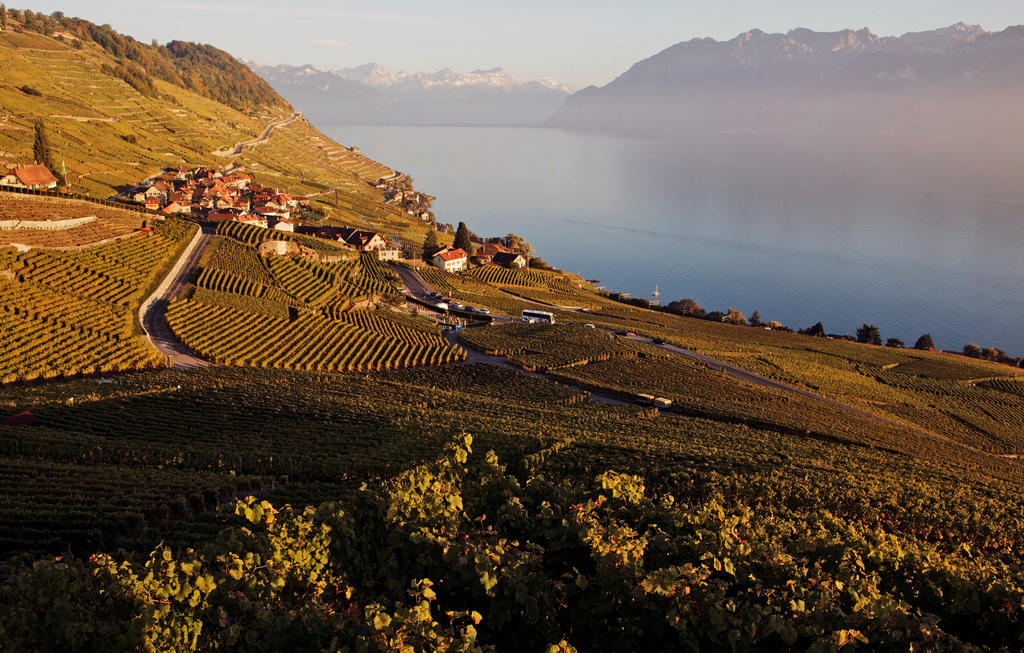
x=263, y=138
x=153, y=312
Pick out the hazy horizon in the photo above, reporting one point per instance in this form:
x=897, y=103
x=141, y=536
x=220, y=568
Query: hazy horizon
x=578, y=43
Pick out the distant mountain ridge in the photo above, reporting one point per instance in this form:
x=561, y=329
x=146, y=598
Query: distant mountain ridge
x=757, y=66
x=371, y=94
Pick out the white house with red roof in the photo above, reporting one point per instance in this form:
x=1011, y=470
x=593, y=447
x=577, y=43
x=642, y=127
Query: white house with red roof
x=37, y=177
x=451, y=259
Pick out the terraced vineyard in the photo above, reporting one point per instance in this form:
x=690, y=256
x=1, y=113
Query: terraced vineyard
x=70, y=313
x=297, y=313
x=543, y=347
x=108, y=222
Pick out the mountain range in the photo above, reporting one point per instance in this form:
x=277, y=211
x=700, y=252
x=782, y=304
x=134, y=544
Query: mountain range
x=805, y=79
x=371, y=94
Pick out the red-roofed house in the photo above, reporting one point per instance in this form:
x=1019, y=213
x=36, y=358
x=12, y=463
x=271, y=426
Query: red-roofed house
x=38, y=177
x=484, y=253
x=451, y=259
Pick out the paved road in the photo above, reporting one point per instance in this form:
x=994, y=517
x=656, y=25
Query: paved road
x=153, y=312
x=237, y=149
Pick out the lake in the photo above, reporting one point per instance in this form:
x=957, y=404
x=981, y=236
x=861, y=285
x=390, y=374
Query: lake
x=911, y=237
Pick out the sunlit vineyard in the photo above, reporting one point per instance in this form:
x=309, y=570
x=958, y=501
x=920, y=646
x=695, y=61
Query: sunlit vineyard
x=298, y=313
x=70, y=313
x=107, y=222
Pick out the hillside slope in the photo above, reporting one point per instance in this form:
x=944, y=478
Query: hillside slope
x=111, y=133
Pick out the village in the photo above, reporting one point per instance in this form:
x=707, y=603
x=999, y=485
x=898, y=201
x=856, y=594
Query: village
x=232, y=195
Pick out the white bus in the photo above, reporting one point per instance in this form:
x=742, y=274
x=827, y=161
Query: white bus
x=538, y=316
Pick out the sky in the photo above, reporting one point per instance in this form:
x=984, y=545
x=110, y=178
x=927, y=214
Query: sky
x=579, y=42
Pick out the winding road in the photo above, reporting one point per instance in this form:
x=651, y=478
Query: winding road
x=263, y=138
x=153, y=312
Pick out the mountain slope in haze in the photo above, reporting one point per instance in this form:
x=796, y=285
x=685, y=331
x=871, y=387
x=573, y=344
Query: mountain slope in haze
x=806, y=79
x=371, y=94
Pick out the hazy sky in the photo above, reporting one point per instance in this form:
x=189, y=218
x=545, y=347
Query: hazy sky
x=577, y=41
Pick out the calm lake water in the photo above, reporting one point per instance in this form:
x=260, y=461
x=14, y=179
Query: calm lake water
x=914, y=238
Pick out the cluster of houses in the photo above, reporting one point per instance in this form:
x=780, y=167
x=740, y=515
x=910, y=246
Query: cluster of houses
x=35, y=176
x=413, y=202
x=218, y=196
x=456, y=259
x=358, y=239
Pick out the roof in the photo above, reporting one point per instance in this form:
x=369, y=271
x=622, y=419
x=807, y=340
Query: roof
x=357, y=237
x=506, y=258
x=490, y=249
x=35, y=175
x=451, y=254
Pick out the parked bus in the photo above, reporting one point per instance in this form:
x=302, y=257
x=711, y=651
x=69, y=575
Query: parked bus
x=538, y=316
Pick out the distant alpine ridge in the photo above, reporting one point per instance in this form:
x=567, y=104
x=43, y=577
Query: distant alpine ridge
x=805, y=79
x=371, y=94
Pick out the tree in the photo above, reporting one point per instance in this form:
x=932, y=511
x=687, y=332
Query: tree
x=924, y=342
x=895, y=343
x=411, y=251
x=972, y=350
x=817, y=330
x=431, y=245
x=41, y=145
x=463, y=239
x=686, y=306
x=755, y=319
x=734, y=317
x=518, y=244
x=3, y=17
x=42, y=152
x=993, y=354
x=869, y=334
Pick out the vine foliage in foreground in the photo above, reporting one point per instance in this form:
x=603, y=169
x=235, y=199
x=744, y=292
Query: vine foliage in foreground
x=460, y=556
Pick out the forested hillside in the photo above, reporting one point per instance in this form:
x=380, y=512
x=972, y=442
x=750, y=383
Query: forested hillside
x=202, y=69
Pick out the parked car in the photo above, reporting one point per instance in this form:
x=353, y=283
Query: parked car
x=483, y=311
x=589, y=326
x=658, y=341
x=470, y=309
x=623, y=333
x=571, y=323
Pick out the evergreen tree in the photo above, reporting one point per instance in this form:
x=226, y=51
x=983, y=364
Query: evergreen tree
x=3, y=16
x=972, y=350
x=41, y=145
x=869, y=334
x=43, y=154
x=895, y=343
x=430, y=245
x=462, y=239
x=924, y=342
x=755, y=319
